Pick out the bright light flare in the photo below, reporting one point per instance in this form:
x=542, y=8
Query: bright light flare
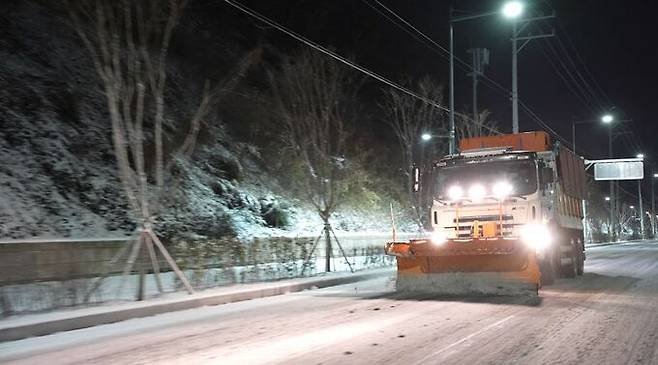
x=513, y=9
x=476, y=192
x=502, y=189
x=426, y=137
x=439, y=238
x=640, y=155
x=607, y=119
x=455, y=192
x=536, y=235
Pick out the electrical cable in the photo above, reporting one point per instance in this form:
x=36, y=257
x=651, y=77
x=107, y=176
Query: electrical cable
x=507, y=92
x=347, y=62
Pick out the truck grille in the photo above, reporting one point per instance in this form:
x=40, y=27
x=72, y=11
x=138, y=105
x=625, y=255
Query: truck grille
x=483, y=218
x=465, y=229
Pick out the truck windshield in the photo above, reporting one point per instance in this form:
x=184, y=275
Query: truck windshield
x=519, y=176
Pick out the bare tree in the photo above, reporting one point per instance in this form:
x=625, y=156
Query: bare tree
x=478, y=127
x=313, y=97
x=128, y=42
x=410, y=118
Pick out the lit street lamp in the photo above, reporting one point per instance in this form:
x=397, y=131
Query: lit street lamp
x=511, y=10
x=640, y=155
x=426, y=137
x=605, y=119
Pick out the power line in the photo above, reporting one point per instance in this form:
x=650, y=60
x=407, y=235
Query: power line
x=580, y=90
x=597, y=94
x=507, y=92
x=446, y=53
x=347, y=62
x=568, y=84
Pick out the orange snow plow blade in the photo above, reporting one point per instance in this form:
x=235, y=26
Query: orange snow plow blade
x=476, y=267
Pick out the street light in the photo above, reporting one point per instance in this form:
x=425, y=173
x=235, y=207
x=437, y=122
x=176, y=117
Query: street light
x=607, y=119
x=607, y=198
x=426, y=137
x=640, y=155
x=511, y=10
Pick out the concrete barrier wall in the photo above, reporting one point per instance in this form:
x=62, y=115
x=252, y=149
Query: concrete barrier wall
x=54, y=260
x=34, y=261
x=44, y=274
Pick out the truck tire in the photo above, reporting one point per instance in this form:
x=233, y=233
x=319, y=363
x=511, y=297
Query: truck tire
x=547, y=270
x=581, y=256
x=570, y=267
x=580, y=264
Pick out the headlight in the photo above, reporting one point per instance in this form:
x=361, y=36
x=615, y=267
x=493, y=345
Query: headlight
x=536, y=235
x=502, y=189
x=439, y=237
x=455, y=192
x=476, y=192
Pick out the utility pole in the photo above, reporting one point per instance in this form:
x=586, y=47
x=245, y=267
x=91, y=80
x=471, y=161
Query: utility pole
x=451, y=141
x=613, y=207
x=480, y=59
x=653, y=205
x=518, y=28
x=639, y=197
x=515, y=80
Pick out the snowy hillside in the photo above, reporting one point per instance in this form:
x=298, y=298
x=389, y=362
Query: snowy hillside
x=57, y=171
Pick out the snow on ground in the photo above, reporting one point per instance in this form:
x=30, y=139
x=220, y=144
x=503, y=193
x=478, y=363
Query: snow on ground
x=607, y=316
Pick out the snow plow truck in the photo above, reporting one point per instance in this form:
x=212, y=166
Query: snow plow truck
x=506, y=217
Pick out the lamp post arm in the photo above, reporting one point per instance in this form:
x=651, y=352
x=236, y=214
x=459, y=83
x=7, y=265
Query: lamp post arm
x=457, y=19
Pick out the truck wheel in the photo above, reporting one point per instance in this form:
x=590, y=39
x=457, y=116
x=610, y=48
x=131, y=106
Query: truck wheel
x=581, y=264
x=581, y=257
x=569, y=261
x=547, y=270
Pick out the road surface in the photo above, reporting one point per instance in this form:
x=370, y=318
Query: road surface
x=608, y=316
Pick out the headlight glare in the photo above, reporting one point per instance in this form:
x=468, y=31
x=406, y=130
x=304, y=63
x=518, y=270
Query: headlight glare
x=536, y=235
x=502, y=189
x=476, y=192
x=439, y=237
x=455, y=192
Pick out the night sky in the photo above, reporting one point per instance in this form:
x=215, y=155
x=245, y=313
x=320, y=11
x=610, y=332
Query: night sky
x=610, y=45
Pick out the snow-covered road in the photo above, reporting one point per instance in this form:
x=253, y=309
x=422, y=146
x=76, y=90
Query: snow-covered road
x=608, y=316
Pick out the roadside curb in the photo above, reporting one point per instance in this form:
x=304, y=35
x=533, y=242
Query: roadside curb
x=620, y=243
x=18, y=331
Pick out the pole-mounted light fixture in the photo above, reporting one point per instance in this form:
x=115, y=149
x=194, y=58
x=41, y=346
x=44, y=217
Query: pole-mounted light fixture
x=607, y=119
x=512, y=9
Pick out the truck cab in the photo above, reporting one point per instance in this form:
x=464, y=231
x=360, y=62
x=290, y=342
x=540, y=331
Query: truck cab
x=518, y=188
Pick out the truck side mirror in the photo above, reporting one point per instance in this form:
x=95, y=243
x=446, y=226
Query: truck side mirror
x=415, y=184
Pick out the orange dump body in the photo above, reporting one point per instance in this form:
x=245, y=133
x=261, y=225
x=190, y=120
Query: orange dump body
x=527, y=141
